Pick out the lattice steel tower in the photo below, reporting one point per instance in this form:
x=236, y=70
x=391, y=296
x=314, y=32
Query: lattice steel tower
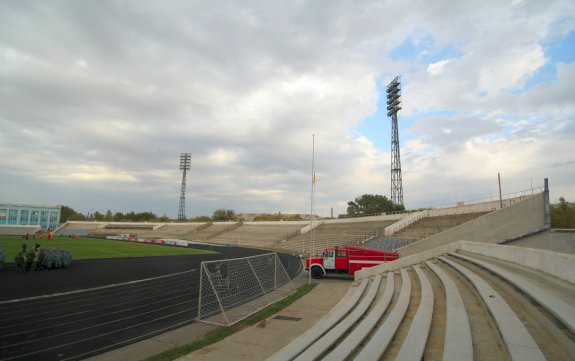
x=185, y=159
x=393, y=106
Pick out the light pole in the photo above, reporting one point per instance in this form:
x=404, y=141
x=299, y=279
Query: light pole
x=393, y=106
x=185, y=160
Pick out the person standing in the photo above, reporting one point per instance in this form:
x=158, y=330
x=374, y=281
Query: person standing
x=2, y=257
x=40, y=259
x=29, y=260
x=19, y=262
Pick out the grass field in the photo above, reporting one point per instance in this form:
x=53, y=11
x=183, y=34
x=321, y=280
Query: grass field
x=90, y=248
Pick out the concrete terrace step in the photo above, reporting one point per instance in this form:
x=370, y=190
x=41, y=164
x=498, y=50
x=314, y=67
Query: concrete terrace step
x=560, y=309
x=450, y=306
x=330, y=338
x=458, y=345
x=346, y=347
x=379, y=342
x=300, y=344
x=519, y=342
x=414, y=344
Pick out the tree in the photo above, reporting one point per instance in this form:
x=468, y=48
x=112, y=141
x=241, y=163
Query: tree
x=278, y=217
x=118, y=217
x=371, y=204
x=563, y=215
x=200, y=219
x=68, y=214
x=163, y=218
x=224, y=215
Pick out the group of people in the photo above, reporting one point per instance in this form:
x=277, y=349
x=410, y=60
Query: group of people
x=25, y=259
x=38, y=234
x=48, y=258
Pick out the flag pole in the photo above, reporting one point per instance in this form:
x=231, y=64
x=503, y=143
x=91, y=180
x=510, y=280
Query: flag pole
x=312, y=215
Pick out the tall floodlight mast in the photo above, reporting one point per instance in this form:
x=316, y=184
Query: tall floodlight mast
x=393, y=106
x=185, y=159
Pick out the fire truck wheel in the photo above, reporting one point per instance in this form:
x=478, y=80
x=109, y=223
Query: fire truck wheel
x=316, y=272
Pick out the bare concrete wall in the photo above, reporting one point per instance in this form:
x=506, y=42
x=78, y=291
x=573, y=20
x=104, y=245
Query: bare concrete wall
x=552, y=240
x=560, y=265
x=522, y=217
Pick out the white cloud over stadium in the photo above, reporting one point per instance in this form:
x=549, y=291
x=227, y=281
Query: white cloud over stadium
x=99, y=98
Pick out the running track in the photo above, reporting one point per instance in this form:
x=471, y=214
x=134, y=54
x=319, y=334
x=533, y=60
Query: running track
x=105, y=304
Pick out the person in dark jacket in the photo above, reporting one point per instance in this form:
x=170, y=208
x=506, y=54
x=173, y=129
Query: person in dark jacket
x=29, y=260
x=19, y=259
x=40, y=259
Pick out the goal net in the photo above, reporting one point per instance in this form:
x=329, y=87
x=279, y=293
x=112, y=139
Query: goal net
x=233, y=289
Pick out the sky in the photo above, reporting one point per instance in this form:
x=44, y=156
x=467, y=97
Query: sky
x=98, y=98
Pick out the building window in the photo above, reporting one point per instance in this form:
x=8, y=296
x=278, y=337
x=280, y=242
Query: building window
x=24, y=217
x=12, y=216
x=44, y=219
x=2, y=216
x=34, y=217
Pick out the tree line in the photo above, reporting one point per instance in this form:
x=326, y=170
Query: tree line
x=367, y=204
x=69, y=214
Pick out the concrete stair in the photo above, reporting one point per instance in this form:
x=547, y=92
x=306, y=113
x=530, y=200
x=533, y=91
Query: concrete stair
x=389, y=244
x=336, y=234
x=429, y=226
x=257, y=235
x=453, y=306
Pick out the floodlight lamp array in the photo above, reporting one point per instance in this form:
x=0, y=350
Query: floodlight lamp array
x=185, y=160
x=393, y=97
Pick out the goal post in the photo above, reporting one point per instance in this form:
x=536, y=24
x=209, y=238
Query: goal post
x=233, y=289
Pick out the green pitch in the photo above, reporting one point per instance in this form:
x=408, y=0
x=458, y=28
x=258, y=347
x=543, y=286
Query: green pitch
x=90, y=248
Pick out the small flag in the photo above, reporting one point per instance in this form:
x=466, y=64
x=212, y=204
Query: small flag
x=313, y=179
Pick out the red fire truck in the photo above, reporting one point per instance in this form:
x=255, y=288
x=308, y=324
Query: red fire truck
x=348, y=259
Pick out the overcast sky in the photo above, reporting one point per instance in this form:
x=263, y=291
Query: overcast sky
x=99, y=98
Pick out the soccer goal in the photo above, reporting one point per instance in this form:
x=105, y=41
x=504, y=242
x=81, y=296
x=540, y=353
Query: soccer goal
x=233, y=289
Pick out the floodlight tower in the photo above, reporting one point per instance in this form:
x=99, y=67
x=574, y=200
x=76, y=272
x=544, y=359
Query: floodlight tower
x=393, y=106
x=185, y=159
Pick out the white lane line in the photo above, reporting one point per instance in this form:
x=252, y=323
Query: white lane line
x=79, y=302
x=96, y=325
x=91, y=317
x=131, y=340
x=96, y=336
x=93, y=288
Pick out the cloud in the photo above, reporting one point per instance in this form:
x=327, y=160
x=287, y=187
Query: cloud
x=98, y=99
x=437, y=68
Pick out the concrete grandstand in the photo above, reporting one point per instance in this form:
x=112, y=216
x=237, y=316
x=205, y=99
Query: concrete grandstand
x=390, y=231
x=463, y=301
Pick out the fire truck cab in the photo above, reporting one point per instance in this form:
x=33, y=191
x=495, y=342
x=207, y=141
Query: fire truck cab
x=348, y=259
